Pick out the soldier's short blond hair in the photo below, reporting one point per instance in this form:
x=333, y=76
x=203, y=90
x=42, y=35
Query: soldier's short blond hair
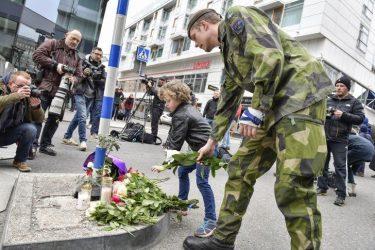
x=175, y=89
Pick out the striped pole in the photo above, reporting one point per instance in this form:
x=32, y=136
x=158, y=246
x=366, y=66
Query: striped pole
x=110, y=83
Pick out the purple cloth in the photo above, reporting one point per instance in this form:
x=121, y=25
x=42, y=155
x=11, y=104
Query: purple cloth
x=116, y=162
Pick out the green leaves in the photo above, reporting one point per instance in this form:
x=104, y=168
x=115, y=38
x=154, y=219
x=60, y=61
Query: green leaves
x=144, y=203
x=190, y=158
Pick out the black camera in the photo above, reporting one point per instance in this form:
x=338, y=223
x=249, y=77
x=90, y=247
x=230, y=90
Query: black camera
x=147, y=80
x=68, y=69
x=34, y=91
x=331, y=111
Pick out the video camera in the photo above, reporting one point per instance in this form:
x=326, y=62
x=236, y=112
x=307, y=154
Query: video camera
x=147, y=80
x=331, y=111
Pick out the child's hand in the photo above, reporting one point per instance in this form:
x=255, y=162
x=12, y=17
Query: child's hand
x=157, y=169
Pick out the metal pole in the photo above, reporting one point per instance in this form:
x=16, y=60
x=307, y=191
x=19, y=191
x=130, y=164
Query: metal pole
x=110, y=83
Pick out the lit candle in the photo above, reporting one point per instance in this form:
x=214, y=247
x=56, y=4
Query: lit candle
x=106, y=191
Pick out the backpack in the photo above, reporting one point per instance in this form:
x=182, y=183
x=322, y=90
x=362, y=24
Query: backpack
x=132, y=132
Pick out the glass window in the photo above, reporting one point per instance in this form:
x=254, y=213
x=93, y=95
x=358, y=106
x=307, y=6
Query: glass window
x=186, y=21
x=225, y=6
x=368, y=8
x=128, y=46
x=160, y=51
x=187, y=42
x=166, y=14
x=292, y=13
x=131, y=33
x=362, y=38
x=54, y=6
x=176, y=44
x=144, y=38
x=146, y=25
x=90, y=4
x=191, y=4
x=8, y=26
x=162, y=31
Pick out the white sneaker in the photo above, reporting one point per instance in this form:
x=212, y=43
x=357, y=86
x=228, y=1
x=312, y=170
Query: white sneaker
x=69, y=141
x=83, y=146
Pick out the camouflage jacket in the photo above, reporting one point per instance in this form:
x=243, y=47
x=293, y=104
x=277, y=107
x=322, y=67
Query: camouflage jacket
x=259, y=57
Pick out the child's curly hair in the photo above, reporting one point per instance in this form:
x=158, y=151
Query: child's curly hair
x=177, y=90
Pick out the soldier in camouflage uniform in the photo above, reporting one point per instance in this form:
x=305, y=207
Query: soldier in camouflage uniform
x=283, y=124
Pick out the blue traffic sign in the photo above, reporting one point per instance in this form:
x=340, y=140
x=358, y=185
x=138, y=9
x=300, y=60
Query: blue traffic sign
x=143, y=54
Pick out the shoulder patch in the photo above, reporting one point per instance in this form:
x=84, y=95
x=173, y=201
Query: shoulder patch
x=237, y=25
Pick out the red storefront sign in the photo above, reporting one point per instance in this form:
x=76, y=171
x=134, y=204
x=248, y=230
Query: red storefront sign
x=201, y=65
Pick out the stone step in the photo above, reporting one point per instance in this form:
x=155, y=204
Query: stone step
x=42, y=215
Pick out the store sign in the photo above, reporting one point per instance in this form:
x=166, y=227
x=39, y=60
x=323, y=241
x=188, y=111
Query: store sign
x=201, y=65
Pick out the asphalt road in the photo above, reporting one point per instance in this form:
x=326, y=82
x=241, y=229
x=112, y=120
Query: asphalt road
x=263, y=227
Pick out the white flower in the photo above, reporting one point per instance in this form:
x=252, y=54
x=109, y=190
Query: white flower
x=90, y=165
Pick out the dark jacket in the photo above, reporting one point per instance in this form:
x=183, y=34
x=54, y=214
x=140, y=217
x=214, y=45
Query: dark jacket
x=48, y=55
x=119, y=97
x=15, y=111
x=210, y=108
x=129, y=102
x=339, y=129
x=92, y=86
x=359, y=149
x=187, y=125
x=157, y=103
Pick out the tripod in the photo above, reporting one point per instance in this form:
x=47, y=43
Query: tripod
x=146, y=96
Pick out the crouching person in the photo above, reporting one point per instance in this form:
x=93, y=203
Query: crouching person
x=18, y=109
x=190, y=126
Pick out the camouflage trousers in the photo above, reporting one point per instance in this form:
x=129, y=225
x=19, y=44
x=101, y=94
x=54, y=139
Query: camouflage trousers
x=297, y=143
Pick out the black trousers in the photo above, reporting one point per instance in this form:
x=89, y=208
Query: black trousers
x=50, y=126
x=339, y=152
x=155, y=116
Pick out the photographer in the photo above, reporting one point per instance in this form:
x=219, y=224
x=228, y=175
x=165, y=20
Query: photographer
x=53, y=57
x=84, y=96
x=158, y=105
x=99, y=77
x=18, y=109
x=343, y=111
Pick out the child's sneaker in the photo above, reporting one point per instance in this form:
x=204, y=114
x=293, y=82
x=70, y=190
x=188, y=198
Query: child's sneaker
x=206, y=229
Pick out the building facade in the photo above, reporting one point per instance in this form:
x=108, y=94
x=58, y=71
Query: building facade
x=24, y=24
x=340, y=33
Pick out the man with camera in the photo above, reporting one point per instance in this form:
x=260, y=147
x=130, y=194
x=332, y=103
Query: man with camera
x=343, y=111
x=18, y=109
x=158, y=105
x=61, y=68
x=85, y=95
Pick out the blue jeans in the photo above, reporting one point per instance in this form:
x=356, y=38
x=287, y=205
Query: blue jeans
x=225, y=143
x=24, y=135
x=96, y=111
x=203, y=186
x=83, y=104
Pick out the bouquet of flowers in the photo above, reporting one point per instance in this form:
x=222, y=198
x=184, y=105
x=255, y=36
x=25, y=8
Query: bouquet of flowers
x=135, y=200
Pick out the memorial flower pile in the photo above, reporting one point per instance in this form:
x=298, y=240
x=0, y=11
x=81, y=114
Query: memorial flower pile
x=136, y=200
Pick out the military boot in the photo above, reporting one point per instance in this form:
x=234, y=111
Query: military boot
x=195, y=243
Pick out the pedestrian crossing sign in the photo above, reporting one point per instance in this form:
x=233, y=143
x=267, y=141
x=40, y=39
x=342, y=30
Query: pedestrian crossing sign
x=143, y=54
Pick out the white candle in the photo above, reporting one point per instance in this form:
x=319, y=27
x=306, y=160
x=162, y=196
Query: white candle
x=106, y=194
x=83, y=200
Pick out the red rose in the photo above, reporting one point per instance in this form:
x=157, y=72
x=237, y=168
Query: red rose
x=116, y=199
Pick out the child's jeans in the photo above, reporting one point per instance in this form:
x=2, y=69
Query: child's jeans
x=203, y=186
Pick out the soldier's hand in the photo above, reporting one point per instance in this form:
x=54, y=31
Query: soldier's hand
x=24, y=92
x=248, y=131
x=337, y=113
x=207, y=150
